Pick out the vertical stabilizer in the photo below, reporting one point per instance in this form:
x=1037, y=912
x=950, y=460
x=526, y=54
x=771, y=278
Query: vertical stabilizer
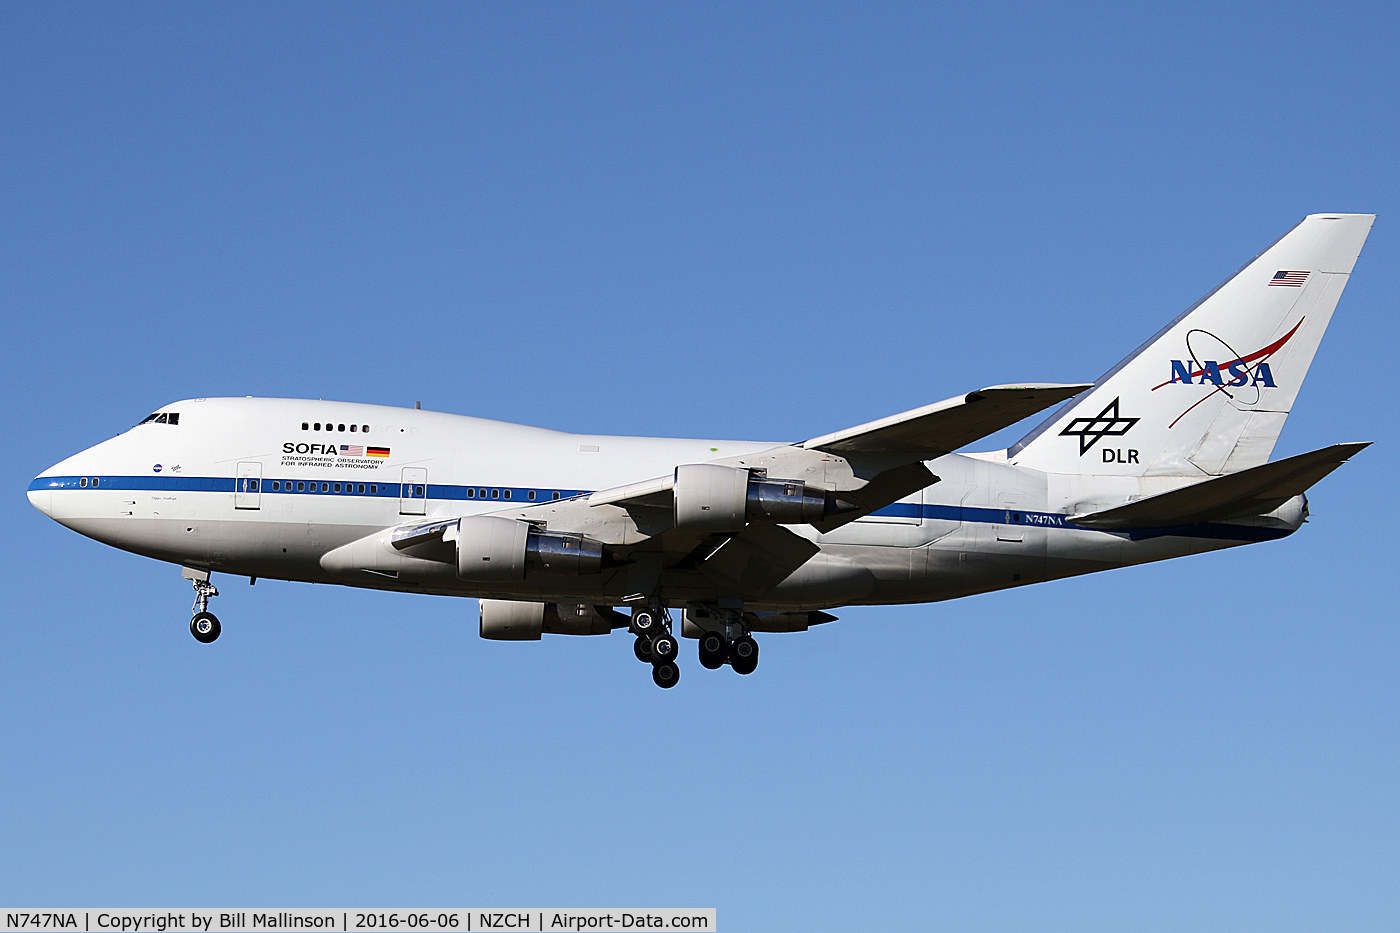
x=1210, y=392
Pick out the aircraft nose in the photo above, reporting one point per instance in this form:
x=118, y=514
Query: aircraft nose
x=40, y=496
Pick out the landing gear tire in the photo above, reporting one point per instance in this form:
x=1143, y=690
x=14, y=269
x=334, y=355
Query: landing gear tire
x=642, y=649
x=714, y=650
x=664, y=647
x=666, y=674
x=645, y=621
x=743, y=655
x=205, y=627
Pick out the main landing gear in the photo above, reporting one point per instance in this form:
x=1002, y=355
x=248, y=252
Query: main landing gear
x=205, y=625
x=655, y=644
x=726, y=640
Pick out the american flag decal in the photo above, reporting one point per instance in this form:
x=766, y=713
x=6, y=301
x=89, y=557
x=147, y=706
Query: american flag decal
x=1290, y=279
x=350, y=450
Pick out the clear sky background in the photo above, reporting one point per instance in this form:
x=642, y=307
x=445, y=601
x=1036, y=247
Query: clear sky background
x=719, y=220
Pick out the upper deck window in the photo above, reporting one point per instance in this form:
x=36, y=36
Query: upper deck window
x=305, y=425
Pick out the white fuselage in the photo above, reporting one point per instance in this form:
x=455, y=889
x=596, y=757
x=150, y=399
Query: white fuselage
x=252, y=487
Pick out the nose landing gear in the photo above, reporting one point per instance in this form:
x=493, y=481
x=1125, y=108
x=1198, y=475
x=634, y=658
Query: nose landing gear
x=205, y=625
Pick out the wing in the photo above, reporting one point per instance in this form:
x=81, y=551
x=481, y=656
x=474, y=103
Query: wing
x=941, y=428
x=879, y=447
x=859, y=470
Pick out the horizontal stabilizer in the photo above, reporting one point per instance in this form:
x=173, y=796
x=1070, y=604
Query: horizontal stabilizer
x=1255, y=491
x=943, y=427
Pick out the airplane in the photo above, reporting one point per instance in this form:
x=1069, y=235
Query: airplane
x=1165, y=455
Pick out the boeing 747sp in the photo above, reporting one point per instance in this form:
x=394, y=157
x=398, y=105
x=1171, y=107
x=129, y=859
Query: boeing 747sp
x=1165, y=455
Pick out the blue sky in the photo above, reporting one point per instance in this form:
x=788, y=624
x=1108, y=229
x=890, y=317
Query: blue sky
x=728, y=220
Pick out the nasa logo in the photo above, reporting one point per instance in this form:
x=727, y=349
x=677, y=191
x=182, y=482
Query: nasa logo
x=156, y=468
x=1241, y=377
x=1184, y=372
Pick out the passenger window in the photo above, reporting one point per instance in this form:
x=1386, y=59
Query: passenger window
x=364, y=429
x=325, y=487
x=341, y=428
x=481, y=493
x=495, y=494
x=373, y=490
x=275, y=486
x=82, y=481
x=532, y=495
x=555, y=496
x=252, y=485
x=418, y=491
x=506, y=495
x=97, y=481
x=352, y=429
x=301, y=487
x=305, y=426
x=337, y=487
x=360, y=488
x=471, y=493
x=318, y=426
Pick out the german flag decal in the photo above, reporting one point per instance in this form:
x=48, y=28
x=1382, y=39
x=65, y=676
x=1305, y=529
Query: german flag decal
x=376, y=451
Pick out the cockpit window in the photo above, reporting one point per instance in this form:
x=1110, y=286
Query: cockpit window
x=161, y=417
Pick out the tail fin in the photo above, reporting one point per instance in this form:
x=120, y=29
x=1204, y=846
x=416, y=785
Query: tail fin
x=1210, y=392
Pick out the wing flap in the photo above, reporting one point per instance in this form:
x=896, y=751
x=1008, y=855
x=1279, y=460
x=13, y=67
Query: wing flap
x=1255, y=491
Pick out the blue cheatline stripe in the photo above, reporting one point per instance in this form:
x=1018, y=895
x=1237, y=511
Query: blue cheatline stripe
x=520, y=495
x=273, y=486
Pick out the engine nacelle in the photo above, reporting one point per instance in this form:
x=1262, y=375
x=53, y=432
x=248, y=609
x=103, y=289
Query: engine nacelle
x=492, y=550
x=511, y=620
x=709, y=497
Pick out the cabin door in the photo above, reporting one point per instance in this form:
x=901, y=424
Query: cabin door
x=413, y=493
x=247, y=486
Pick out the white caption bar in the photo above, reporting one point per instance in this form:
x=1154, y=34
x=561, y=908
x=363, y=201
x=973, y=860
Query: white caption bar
x=354, y=920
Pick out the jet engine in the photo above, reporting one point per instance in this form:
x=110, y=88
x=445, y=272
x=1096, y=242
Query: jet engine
x=509, y=620
x=710, y=497
x=491, y=549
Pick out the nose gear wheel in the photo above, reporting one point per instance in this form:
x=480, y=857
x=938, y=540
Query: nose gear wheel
x=205, y=625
